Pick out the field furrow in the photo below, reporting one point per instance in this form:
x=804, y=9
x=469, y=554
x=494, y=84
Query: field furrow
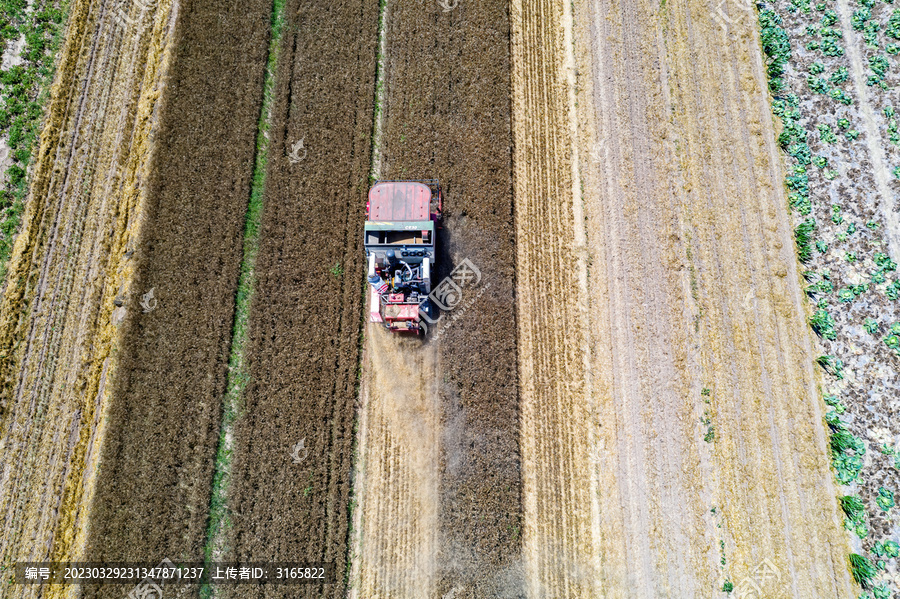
x=69, y=263
x=305, y=319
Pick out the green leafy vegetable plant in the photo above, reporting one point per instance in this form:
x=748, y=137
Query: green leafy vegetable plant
x=823, y=323
x=862, y=569
x=859, y=18
x=888, y=549
x=884, y=262
x=885, y=499
x=829, y=18
x=803, y=238
x=826, y=134
x=870, y=325
x=831, y=365
x=817, y=84
x=893, y=27
x=839, y=76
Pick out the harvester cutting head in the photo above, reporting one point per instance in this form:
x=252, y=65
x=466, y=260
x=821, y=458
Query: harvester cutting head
x=401, y=222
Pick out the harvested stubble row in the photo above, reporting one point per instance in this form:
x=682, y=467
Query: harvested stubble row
x=707, y=464
x=71, y=262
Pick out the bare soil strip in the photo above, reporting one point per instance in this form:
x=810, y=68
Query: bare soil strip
x=693, y=286
x=155, y=471
x=306, y=315
x=398, y=469
x=58, y=330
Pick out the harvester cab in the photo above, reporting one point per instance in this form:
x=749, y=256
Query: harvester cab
x=401, y=223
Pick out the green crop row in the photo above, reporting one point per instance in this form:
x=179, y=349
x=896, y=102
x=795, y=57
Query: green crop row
x=238, y=375
x=24, y=90
x=824, y=35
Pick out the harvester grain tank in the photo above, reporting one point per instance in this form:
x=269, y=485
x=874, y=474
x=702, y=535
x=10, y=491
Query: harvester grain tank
x=401, y=224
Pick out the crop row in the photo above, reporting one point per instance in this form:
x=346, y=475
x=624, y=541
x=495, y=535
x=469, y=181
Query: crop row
x=24, y=89
x=839, y=232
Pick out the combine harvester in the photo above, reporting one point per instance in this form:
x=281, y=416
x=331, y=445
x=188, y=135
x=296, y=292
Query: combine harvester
x=401, y=222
